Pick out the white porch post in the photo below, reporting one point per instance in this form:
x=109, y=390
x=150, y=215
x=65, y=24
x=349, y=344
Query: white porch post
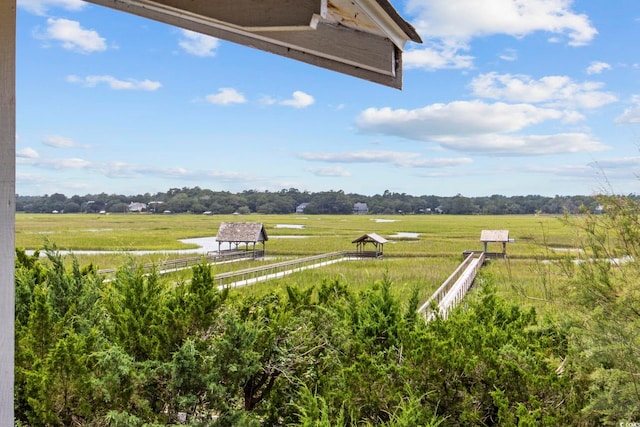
x=7, y=206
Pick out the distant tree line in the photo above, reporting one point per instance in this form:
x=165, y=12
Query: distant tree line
x=198, y=200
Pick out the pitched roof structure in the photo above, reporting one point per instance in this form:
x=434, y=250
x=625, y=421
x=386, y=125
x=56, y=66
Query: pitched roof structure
x=362, y=38
x=241, y=232
x=501, y=236
x=495, y=236
x=371, y=238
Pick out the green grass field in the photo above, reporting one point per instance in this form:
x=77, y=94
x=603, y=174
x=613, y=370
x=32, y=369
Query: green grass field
x=438, y=234
x=421, y=262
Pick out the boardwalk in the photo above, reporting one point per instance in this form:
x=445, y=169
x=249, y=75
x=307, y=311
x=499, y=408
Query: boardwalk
x=246, y=276
x=453, y=290
x=250, y=276
x=447, y=297
x=174, y=265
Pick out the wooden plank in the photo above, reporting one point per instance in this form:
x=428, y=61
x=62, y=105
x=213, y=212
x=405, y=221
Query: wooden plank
x=254, y=13
x=341, y=44
x=7, y=206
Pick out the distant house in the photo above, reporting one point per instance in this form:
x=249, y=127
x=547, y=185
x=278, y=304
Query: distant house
x=154, y=206
x=137, y=207
x=360, y=208
x=300, y=207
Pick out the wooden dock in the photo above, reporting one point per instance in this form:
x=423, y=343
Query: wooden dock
x=448, y=295
x=453, y=290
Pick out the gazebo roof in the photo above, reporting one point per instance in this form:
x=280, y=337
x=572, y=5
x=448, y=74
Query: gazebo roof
x=362, y=38
x=501, y=236
x=371, y=237
x=241, y=232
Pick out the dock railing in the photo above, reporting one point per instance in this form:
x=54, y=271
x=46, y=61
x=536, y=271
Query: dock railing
x=182, y=263
x=226, y=279
x=452, y=290
x=248, y=273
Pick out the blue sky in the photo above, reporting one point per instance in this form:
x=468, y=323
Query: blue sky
x=511, y=97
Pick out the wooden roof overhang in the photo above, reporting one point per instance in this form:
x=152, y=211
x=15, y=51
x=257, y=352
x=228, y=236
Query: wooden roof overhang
x=373, y=238
x=499, y=236
x=362, y=38
x=495, y=236
x=241, y=232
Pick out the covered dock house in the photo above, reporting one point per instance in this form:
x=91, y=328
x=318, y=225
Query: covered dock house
x=247, y=233
x=375, y=240
x=495, y=236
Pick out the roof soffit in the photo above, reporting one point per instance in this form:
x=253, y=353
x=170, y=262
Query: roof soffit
x=363, y=38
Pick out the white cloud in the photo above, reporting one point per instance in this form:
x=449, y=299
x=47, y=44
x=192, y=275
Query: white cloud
x=122, y=170
x=465, y=19
x=59, y=141
x=330, y=171
x=509, y=55
x=600, y=173
x=597, y=67
x=438, y=56
x=456, y=118
x=570, y=171
x=632, y=162
x=116, y=84
x=299, y=99
x=524, y=145
x=630, y=115
x=40, y=7
x=198, y=44
x=226, y=96
x=395, y=158
x=478, y=127
x=27, y=153
x=68, y=163
x=451, y=24
x=267, y=100
x=551, y=90
x=73, y=37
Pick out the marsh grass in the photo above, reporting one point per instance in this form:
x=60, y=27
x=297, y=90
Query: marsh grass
x=406, y=274
x=422, y=262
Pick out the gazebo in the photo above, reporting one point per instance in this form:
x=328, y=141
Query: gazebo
x=376, y=240
x=236, y=233
x=495, y=236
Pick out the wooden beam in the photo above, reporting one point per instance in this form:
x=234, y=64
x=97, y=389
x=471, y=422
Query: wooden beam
x=7, y=206
x=379, y=66
x=253, y=14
